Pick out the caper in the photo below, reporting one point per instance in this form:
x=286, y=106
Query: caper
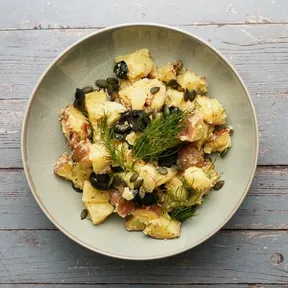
x=192, y=95
x=87, y=89
x=112, y=80
x=166, y=110
x=154, y=113
x=186, y=95
x=219, y=185
x=138, y=183
x=101, y=83
x=134, y=177
x=76, y=188
x=117, y=180
x=162, y=171
x=121, y=70
x=154, y=90
x=109, y=89
x=84, y=214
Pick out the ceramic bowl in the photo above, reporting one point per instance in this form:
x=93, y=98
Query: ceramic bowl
x=92, y=58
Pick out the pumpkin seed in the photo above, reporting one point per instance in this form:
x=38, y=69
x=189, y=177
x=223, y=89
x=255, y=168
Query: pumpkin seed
x=112, y=80
x=162, y=171
x=154, y=113
x=124, y=183
x=172, y=83
x=142, y=193
x=113, y=96
x=186, y=95
x=101, y=83
x=154, y=90
x=87, y=89
x=219, y=185
x=192, y=95
x=138, y=183
x=110, y=182
x=117, y=169
x=175, y=167
x=84, y=214
x=109, y=89
x=117, y=180
x=115, y=87
x=166, y=110
x=76, y=188
x=134, y=177
x=223, y=153
x=179, y=164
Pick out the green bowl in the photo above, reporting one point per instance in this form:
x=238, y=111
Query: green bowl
x=91, y=58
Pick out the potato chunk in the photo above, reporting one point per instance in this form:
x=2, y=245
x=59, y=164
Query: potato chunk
x=162, y=179
x=92, y=195
x=98, y=212
x=220, y=141
x=211, y=110
x=139, y=64
x=145, y=215
x=75, y=125
x=163, y=228
x=189, y=155
x=190, y=81
x=100, y=158
x=134, y=224
x=139, y=97
x=148, y=173
x=80, y=153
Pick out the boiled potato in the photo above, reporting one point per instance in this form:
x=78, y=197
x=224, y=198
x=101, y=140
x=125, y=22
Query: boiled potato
x=189, y=155
x=80, y=153
x=220, y=141
x=145, y=215
x=163, y=228
x=190, y=81
x=134, y=224
x=92, y=195
x=98, y=212
x=211, y=110
x=100, y=158
x=75, y=125
x=139, y=64
x=162, y=179
x=148, y=173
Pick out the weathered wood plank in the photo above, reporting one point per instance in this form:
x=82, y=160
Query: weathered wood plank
x=264, y=208
x=57, y=13
x=228, y=257
x=259, y=53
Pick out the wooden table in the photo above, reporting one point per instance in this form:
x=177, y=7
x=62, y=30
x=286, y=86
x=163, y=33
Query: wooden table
x=252, y=249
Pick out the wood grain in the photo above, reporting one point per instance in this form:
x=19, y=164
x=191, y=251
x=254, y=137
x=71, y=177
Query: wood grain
x=259, y=53
x=265, y=207
x=142, y=286
x=69, y=13
x=233, y=257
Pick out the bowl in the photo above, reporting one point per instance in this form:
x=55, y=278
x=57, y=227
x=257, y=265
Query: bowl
x=91, y=58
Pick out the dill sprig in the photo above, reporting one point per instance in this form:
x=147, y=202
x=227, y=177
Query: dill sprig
x=159, y=136
x=116, y=151
x=183, y=213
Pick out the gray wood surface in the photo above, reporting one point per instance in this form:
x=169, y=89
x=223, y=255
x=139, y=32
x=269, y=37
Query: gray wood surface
x=258, y=52
x=57, y=13
x=253, y=36
x=264, y=208
x=228, y=257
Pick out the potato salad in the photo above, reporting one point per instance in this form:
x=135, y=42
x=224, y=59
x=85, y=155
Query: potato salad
x=140, y=145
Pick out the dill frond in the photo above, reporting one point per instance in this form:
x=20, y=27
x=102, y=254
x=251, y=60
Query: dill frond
x=159, y=136
x=183, y=213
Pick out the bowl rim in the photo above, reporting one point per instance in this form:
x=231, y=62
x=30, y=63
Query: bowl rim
x=24, y=138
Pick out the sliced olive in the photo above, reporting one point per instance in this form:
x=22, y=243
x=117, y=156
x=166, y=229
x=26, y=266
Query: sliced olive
x=79, y=190
x=219, y=185
x=84, y=214
x=148, y=199
x=87, y=89
x=138, y=183
x=133, y=124
x=132, y=113
x=99, y=185
x=192, y=95
x=109, y=89
x=186, y=95
x=162, y=171
x=117, y=180
x=154, y=90
x=134, y=177
x=120, y=136
x=122, y=127
x=103, y=178
x=112, y=80
x=79, y=100
x=143, y=121
x=101, y=83
x=117, y=169
x=121, y=70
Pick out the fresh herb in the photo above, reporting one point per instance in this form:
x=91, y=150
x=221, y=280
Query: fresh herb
x=183, y=213
x=160, y=135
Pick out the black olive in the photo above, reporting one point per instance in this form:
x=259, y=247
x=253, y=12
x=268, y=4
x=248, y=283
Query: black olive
x=133, y=124
x=149, y=199
x=122, y=126
x=143, y=121
x=132, y=113
x=77, y=189
x=174, y=109
x=79, y=100
x=120, y=136
x=97, y=181
x=121, y=70
x=117, y=169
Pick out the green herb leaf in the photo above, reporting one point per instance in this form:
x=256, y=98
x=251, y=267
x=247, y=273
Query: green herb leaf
x=183, y=213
